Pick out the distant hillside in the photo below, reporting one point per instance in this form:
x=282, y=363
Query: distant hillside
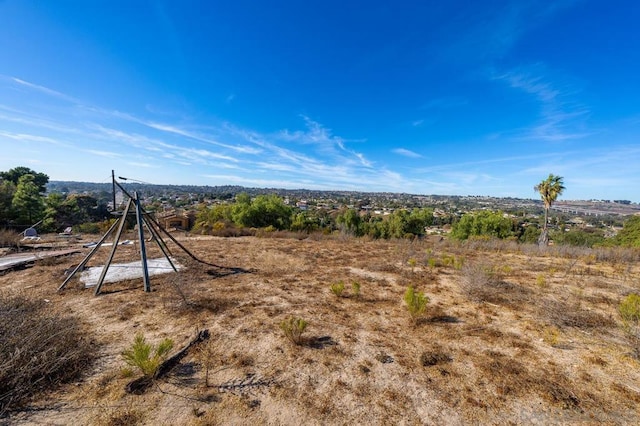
x=356, y=198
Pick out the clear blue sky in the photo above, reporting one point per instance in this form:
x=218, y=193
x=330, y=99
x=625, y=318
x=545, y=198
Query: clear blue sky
x=427, y=97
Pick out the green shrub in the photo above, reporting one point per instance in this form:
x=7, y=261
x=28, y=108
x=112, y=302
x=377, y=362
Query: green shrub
x=416, y=303
x=337, y=288
x=432, y=262
x=89, y=228
x=293, y=328
x=143, y=356
x=629, y=308
x=355, y=288
x=541, y=281
x=412, y=262
x=458, y=263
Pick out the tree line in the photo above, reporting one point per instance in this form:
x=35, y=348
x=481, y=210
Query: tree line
x=23, y=203
x=271, y=213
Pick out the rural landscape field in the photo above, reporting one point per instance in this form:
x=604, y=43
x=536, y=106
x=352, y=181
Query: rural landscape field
x=511, y=334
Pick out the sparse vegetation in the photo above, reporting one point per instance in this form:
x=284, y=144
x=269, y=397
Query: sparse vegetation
x=629, y=308
x=293, y=328
x=355, y=289
x=145, y=357
x=496, y=340
x=551, y=336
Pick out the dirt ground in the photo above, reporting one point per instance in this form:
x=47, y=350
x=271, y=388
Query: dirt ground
x=511, y=335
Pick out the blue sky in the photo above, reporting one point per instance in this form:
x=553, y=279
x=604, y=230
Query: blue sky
x=425, y=97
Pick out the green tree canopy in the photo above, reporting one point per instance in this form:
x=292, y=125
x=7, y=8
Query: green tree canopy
x=27, y=202
x=350, y=222
x=483, y=223
x=14, y=175
x=629, y=236
x=262, y=211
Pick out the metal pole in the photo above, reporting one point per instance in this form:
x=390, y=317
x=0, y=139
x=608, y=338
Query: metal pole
x=160, y=242
x=123, y=220
x=113, y=189
x=143, y=251
x=89, y=256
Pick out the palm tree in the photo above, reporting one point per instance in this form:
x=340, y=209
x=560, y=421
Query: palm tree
x=549, y=190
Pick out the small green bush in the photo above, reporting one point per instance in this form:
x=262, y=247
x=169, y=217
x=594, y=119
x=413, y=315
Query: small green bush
x=412, y=262
x=89, y=228
x=293, y=328
x=337, y=288
x=458, y=263
x=416, y=303
x=355, y=288
x=629, y=308
x=143, y=356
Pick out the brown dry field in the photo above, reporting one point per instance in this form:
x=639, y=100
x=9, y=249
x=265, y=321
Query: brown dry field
x=514, y=336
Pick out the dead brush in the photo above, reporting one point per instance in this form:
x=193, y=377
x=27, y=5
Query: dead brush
x=512, y=378
x=40, y=349
x=486, y=283
x=572, y=314
x=9, y=238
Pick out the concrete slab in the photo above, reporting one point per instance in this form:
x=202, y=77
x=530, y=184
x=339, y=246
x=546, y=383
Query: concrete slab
x=127, y=271
x=20, y=259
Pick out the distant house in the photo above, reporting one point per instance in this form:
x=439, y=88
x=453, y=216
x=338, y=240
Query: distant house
x=180, y=220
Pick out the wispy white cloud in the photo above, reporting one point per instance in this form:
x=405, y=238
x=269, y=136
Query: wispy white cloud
x=495, y=160
x=486, y=33
x=326, y=142
x=168, y=128
x=406, y=153
x=107, y=154
x=30, y=138
x=561, y=117
x=143, y=165
x=42, y=89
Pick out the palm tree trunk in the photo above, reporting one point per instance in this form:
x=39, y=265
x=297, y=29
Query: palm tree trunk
x=543, y=240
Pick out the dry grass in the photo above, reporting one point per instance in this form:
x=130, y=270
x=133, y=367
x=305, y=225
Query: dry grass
x=40, y=349
x=495, y=346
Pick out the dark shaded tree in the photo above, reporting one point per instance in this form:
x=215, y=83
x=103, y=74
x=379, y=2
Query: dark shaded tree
x=7, y=190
